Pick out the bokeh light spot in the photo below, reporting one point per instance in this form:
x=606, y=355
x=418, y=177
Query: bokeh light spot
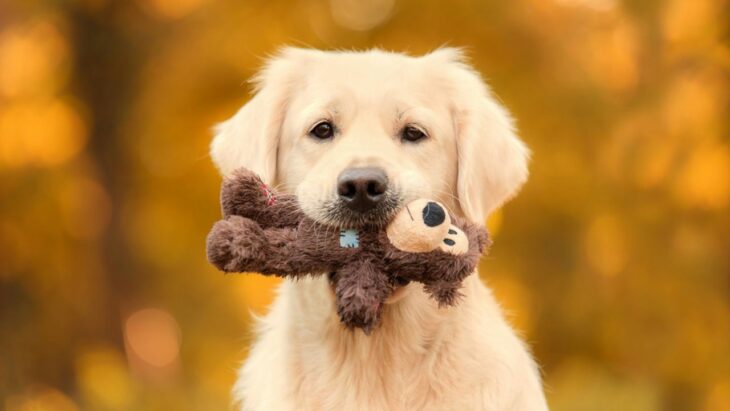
x=41, y=133
x=692, y=23
x=597, y=5
x=704, y=180
x=33, y=60
x=361, y=15
x=718, y=397
x=45, y=399
x=172, y=9
x=694, y=102
x=153, y=335
x=611, y=55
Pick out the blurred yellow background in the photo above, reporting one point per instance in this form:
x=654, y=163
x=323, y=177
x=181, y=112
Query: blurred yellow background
x=613, y=263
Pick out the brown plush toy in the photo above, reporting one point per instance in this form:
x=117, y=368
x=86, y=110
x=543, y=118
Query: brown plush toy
x=268, y=233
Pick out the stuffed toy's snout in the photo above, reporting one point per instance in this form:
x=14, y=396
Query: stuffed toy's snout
x=266, y=232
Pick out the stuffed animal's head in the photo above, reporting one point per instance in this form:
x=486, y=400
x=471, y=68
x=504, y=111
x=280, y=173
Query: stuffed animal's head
x=424, y=225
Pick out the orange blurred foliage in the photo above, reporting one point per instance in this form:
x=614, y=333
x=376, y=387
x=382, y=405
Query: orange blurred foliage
x=612, y=262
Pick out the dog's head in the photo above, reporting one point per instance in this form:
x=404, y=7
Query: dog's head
x=357, y=135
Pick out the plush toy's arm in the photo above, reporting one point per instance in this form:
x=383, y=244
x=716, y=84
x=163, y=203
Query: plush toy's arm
x=444, y=277
x=238, y=244
x=441, y=272
x=244, y=194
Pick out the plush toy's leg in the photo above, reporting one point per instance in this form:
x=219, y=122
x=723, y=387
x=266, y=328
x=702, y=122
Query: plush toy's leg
x=244, y=194
x=442, y=273
x=360, y=289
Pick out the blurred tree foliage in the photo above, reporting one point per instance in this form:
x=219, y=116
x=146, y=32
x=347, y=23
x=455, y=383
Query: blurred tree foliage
x=613, y=262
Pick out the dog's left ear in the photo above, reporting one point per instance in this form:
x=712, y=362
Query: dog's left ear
x=250, y=138
x=492, y=164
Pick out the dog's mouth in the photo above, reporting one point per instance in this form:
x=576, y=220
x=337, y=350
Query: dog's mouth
x=336, y=213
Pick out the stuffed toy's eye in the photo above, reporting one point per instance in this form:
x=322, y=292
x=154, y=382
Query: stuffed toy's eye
x=323, y=130
x=412, y=134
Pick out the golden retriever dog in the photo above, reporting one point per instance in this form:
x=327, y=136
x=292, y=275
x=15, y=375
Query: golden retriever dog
x=355, y=135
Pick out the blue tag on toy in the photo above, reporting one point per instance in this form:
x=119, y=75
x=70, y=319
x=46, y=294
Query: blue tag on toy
x=349, y=238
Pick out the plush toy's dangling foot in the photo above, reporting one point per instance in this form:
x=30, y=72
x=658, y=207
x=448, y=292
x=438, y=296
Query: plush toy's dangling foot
x=361, y=290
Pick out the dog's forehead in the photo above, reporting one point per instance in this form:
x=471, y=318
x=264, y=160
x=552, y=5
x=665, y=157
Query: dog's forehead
x=366, y=75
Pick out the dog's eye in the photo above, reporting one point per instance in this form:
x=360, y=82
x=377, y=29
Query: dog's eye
x=323, y=130
x=412, y=134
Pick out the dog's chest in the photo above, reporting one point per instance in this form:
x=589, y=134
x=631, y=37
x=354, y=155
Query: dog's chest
x=374, y=377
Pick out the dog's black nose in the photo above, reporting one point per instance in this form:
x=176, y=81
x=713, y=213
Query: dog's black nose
x=362, y=188
x=433, y=214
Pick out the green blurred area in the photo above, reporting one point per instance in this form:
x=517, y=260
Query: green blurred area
x=613, y=262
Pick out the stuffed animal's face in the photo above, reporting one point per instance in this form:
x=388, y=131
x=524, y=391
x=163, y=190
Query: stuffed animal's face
x=424, y=225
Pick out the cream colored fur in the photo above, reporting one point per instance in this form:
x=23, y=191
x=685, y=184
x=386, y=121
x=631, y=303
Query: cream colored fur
x=422, y=357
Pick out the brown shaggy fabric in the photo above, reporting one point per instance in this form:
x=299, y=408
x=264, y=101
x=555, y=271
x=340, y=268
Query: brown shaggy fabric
x=268, y=233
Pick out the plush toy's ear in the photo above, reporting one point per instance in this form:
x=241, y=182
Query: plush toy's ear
x=492, y=159
x=250, y=138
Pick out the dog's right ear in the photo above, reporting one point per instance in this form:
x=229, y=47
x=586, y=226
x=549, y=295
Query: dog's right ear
x=250, y=138
x=492, y=159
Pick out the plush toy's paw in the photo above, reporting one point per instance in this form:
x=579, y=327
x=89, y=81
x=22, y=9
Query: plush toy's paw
x=235, y=244
x=483, y=240
x=244, y=194
x=365, y=319
x=421, y=226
